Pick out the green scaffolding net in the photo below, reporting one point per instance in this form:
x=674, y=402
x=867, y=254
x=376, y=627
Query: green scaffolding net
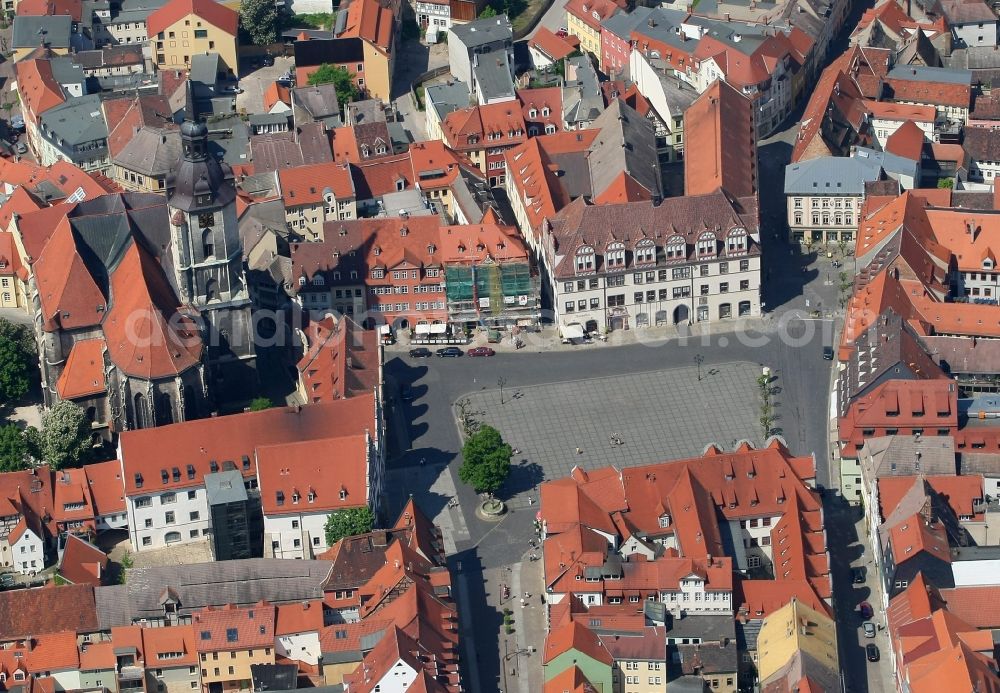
x=500, y=283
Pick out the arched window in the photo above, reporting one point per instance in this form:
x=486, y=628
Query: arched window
x=211, y=290
x=164, y=410
x=207, y=242
x=172, y=537
x=585, y=259
x=140, y=408
x=706, y=244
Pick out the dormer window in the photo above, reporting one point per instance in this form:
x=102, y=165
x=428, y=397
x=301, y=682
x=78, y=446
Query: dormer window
x=614, y=256
x=987, y=264
x=665, y=520
x=585, y=259
x=318, y=280
x=532, y=113
x=343, y=494
x=706, y=244
x=364, y=151
x=295, y=497
x=645, y=252
x=546, y=111
x=312, y=496
x=737, y=241
x=676, y=248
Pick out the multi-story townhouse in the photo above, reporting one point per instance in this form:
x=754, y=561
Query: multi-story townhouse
x=315, y=194
x=690, y=259
x=299, y=493
x=434, y=17
x=296, y=629
x=167, y=501
x=484, y=133
x=719, y=126
x=171, y=659
x=670, y=99
x=181, y=29
x=948, y=90
x=74, y=131
x=887, y=117
x=981, y=145
x=231, y=639
x=470, y=41
x=824, y=197
x=584, y=18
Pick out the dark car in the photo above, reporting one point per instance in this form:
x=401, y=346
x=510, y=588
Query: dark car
x=871, y=651
x=407, y=393
x=267, y=61
x=828, y=353
x=858, y=576
x=481, y=351
x=866, y=611
x=420, y=353
x=449, y=351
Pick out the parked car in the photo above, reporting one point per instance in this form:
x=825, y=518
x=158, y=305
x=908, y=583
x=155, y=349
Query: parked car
x=17, y=123
x=481, y=351
x=420, y=353
x=869, y=628
x=449, y=351
x=21, y=148
x=871, y=651
x=828, y=353
x=858, y=576
x=866, y=611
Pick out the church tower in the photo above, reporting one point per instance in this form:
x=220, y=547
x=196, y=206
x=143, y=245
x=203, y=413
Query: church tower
x=208, y=259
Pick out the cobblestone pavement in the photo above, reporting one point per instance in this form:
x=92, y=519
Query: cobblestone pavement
x=662, y=415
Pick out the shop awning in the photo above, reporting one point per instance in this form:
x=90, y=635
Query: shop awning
x=572, y=331
x=439, y=328
x=422, y=328
x=383, y=329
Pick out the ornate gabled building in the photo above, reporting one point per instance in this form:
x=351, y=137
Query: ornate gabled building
x=142, y=313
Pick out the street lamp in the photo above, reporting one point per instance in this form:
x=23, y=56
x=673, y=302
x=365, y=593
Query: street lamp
x=501, y=381
x=699, y=359
x=522, y=651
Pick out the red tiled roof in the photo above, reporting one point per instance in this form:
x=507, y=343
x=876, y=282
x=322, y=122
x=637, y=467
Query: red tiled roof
x=555, y=47
x=276, y=93
x=148, y=452
x=32, y=612
x=98, y=656
x=157, y=642
x=370, y=20
x=471, y=128
x=914, y=535
x=907, y=141
x=67, y=292
x=82, y=562
x=37, y=87
x=148, y=336
x=341, y=360
x=979, y=606
x=39, y=8
x=756, y=599
x=215, y=13
x=104, y=479
x=303, y=468
x=571, y=680
x=304, y=185
x=229, y=627
x=718, y=126
x=933, y=93
x=575, y=636
x=593, y=12
x=305, y=617
x=83, y=373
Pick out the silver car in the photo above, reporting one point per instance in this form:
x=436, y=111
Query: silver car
x=869, y=628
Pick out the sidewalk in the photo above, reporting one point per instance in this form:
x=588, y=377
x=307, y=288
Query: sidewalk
x=547, y=339
x=521, y=651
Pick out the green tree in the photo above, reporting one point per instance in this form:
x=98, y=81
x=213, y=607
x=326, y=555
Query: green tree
x=347, y=523
x=488, y=12
x=17, y=360
x=948, y=183
x=64, y=440
x=259, y=18
x=341, y=78
x=260, y=404
x=13, y=449
x=485, y=460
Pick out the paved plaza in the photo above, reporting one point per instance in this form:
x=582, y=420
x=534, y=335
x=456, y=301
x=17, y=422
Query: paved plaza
x=660, y=415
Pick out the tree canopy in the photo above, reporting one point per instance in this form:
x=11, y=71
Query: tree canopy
x=488, y=12
x=260, y=404
x=17, y=360
x=485, y=460
x=341, y=78
x=64, y=440
x=260, y=20
x=13, y=449
x=347, y=523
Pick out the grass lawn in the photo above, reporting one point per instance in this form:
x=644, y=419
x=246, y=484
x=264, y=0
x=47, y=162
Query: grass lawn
x=316, y=20
x=523, y=18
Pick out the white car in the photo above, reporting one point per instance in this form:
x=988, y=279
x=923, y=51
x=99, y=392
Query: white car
x=869, y=628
